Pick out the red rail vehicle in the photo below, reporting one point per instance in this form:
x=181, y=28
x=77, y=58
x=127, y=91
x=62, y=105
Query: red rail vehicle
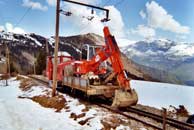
x=100, y=73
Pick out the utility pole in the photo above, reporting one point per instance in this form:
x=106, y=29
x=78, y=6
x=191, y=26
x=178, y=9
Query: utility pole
x=7, y=64
x=164, y=118
x=56, y=49
x=34, y=64
x=47, y=48
x=8, y=60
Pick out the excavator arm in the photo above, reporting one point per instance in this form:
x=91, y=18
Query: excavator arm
x=115, y=57
x=125, y=96
x=110, y=50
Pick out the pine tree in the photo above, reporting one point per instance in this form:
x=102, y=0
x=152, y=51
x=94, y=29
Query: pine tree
x=41, y=62
x=12, y=68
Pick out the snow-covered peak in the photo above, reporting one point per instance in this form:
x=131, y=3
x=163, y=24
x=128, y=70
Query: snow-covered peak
x=164, y=40
x=182, y=50
x=123, y=42
x=161, y=47
x=7, y=35
x=21, y=38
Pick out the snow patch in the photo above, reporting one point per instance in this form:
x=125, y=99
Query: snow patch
x=35, y=91
x=33, y=39
x=51, y=41
x=121, y=127
x=164, y=95
x=2, y=60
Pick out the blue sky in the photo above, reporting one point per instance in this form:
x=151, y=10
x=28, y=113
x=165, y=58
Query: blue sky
x=131, y=20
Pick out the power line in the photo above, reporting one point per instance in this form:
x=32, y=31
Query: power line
x=90, y=18
x=85, y=27
x=20, y=20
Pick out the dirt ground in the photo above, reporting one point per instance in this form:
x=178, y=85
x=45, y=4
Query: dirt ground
x=45, y=100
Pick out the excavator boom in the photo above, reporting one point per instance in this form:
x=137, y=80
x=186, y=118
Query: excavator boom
x=125, y=96
x=115, y=58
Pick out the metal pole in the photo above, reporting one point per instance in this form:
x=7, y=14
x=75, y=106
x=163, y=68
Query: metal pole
x=34, y=64
x=47, y=48
x=56, y=49
x=80, y=3
x=8, y=61
x=92, y=6
x=164, y=118
x=7, y=64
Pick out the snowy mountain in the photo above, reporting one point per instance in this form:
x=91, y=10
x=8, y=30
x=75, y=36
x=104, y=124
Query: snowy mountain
x=21, y=38
x=175, y=59
x=23, y=49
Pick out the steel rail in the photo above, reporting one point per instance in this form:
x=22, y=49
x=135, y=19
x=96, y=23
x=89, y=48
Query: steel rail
x=130, y=116
x=170, y=121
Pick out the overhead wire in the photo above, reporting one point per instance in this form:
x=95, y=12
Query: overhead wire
x=86, y=25
x=26, y=12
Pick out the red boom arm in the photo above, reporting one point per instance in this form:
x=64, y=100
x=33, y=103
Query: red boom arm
x=111, y=50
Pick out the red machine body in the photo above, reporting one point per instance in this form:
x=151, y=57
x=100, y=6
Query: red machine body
x=110, y=50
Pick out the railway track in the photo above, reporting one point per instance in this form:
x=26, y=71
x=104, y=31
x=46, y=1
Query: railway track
x=40, y=80
x=172, y=122
x=127, y=115
x=126, y=112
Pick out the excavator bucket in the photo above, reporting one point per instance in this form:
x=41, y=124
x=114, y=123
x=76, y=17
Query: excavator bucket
x=124, y=98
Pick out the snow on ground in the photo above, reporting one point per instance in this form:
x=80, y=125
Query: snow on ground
x=2, y=60
x=24, y=114
x=34, y=91
x=163, y=95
